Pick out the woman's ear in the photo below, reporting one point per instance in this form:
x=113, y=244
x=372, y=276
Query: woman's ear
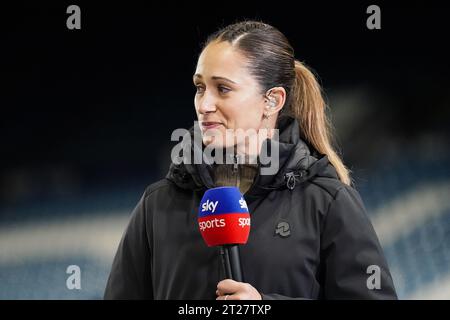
x=275, y=99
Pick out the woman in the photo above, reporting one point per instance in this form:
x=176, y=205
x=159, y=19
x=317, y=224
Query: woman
x=310, y=237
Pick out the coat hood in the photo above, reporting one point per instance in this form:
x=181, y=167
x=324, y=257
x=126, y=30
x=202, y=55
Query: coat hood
x=298, y=162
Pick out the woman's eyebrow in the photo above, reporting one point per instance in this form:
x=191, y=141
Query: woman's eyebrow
x=199, y=76
x=223, y=79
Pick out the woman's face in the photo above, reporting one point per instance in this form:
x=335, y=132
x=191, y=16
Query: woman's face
x=227, y=96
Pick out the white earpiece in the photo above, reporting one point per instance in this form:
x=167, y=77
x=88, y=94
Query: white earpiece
x=272, y=103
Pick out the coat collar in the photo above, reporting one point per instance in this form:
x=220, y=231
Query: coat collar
x=297, y=163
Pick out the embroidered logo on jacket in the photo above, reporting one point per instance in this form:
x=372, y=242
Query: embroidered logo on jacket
x=283, y=229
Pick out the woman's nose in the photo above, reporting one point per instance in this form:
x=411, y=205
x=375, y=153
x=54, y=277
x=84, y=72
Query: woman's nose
x=207, y=104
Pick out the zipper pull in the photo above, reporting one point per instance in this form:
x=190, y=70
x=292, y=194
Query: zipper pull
x=236, y=170
x=290, y=180
x=235, y=162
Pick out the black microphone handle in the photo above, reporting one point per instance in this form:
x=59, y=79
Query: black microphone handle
x=232, y=262
x=226, y=262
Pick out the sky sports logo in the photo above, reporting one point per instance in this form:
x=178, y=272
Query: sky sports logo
x=212, y=205
x=223, y=217
x=221, y=223
x=209, y=206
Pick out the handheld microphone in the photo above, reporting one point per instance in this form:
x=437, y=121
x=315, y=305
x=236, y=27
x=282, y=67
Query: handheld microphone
x=224, y=221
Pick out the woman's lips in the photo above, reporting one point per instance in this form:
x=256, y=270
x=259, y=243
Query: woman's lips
x=210, y=125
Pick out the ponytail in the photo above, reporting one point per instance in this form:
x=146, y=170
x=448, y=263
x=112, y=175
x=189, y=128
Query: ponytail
x=308, y=107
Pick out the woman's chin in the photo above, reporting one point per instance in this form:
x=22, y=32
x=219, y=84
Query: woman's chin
x=214, y=142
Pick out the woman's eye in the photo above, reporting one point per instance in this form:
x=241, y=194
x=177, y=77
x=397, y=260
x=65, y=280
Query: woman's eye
x=223, y=89
x=199, y=88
